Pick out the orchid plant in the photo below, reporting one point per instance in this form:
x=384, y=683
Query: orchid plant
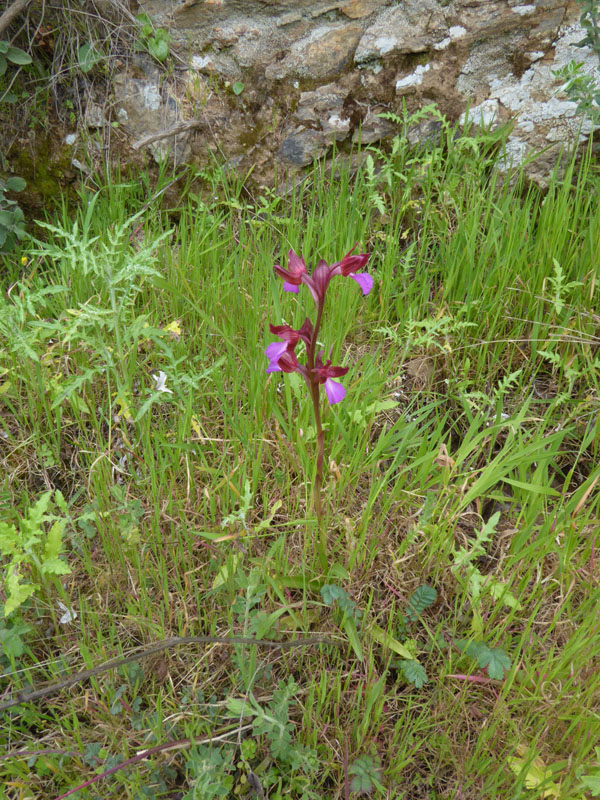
x=315, y=371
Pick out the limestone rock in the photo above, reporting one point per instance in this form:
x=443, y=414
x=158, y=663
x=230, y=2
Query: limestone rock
x=321, y=55
x=410, y=27
x=142, y=109
x=356, y=9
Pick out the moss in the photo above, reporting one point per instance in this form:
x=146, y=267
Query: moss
x=46, y=166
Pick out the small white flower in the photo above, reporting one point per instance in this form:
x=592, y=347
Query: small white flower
x=159, y=382
x=68, y=616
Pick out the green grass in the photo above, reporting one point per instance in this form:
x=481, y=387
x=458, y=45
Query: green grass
x=479, y=478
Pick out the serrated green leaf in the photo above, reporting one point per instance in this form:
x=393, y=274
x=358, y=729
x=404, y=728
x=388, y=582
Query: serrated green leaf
x=414, y=673
x=423, y=597
x=366, y=772
x=54, y=540
x=495, y=660
x=238, y=708
x=592, y=782
x=9, y=539
x=537, y=775
x=17, y=592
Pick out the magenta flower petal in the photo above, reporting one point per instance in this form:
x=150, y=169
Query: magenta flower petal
x=289, y=287
x=334, y=391
x=364, y=280
x=275, y=350
x=273, y=367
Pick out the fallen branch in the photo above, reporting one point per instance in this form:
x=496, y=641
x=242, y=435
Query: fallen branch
x=25, y=696
x=11, y=12
x=180, y=127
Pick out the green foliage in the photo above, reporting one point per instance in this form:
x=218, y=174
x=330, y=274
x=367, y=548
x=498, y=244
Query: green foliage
x=366, y=775
x=13, y=55
x=469, y=574
x=590, y=22
x=492, y=659
x=31, y=551
x=414, y=672
x=581, y=87
x=336, y=595
x=155, y=41
x=209, y=771
x=271, y=722
x=590, y=776
x=12, y=219
x=12, y=636
x=88, y=57
x=422, y=598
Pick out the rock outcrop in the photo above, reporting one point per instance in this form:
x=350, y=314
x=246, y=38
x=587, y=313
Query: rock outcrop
x=288, y=79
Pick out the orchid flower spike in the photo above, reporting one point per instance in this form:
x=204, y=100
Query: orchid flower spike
x=318, y=281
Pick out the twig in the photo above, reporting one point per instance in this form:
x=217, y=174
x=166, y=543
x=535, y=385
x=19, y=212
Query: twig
x=179, y=127
x=11, y=12
x=24, y=696
x=470, y=678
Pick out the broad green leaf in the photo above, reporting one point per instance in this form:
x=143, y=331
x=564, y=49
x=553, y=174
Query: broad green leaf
x=537, y=775
x=494, y=659
x=159, y=48
x=238, y=707
x=499, y=591
x=387, y=640
x=423, y=597
x=592, y=782
x=237, y=87
x=54, y=540
x=18, y=56
x=87, y=57
x=11, y=639
x=15, y=184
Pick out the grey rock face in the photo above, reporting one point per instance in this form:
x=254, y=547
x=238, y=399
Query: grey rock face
x=302, y=147
x=413, y=26
x=314, y=73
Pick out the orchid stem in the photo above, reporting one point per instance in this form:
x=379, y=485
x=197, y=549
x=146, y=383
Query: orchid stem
x=318, y=481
